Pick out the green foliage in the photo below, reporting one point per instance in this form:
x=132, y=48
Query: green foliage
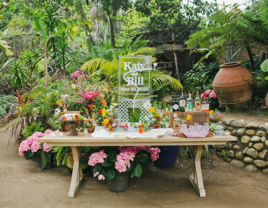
x=4, y=46
x=264, y=66
x=7, y=102
x=200, y=77
x=34, y=127
x=231, y=26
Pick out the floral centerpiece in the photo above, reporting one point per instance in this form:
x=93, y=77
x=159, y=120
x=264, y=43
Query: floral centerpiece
x=115, y=162
x=32, y=149
x=157, y=118
x=212, y=99
x=215, y=116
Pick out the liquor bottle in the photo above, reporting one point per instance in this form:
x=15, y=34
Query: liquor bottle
x=190, y=103
x=197, y=102
x=175, y=106
x=182, y=102
x=205, y=104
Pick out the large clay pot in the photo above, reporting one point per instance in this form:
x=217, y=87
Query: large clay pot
x=233, y=85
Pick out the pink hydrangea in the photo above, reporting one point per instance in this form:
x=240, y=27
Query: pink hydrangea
x=37, y=134
x=120, y=166
x=101, y=177
x=46, y=147
x=97, y=157
x=35, y=146
x=47, y=132
x=24, y=147
x=213, y=94
x=88, y=95
x=208, y=91
x=31, y=140
x=154, y=153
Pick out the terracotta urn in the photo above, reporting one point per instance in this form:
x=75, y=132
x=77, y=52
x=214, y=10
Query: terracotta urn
x=233, y=85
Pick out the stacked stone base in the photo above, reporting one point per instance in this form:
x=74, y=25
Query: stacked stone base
x=250, y=151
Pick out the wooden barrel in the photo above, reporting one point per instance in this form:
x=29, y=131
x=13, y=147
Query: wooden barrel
x=233, y=85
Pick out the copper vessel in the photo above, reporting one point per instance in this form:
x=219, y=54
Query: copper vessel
x=233, y=85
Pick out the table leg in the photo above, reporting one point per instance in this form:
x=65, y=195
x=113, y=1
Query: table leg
x=196, y=177
x=77, y=174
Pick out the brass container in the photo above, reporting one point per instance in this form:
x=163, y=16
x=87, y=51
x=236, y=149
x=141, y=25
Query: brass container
x=67, y=125
x=233, y=85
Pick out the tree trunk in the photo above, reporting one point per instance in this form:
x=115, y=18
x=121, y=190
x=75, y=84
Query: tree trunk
x=111, y=27
x=86, y=28
x=250, y=56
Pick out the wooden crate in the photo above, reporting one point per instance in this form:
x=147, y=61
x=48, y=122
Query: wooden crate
x=197, y=117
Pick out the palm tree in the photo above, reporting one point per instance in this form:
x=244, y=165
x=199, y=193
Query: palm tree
x=106, y=62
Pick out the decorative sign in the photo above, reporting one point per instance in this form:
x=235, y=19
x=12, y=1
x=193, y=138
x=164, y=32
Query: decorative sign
x=134, y=77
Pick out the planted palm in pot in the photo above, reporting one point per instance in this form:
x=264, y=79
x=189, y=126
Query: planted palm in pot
x=116, y=164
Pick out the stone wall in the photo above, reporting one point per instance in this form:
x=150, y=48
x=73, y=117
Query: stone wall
x=250, y=151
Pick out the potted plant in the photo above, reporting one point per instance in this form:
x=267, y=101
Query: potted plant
x=116, y=164
x=37, y=152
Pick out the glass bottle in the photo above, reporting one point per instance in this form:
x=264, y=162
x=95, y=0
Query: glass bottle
x=197, y=102
x=182, y=102
x=175, y=106
x=205, y=104
x=190, y=102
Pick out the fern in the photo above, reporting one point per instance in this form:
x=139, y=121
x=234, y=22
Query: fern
x=44, y=160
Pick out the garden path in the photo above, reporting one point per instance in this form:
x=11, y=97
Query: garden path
x=23, y=185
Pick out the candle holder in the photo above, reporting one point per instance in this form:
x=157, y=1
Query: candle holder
x=73, y=131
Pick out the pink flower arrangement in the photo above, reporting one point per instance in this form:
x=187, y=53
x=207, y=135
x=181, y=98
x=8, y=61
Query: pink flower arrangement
x=32, y=143
x=207, y=92
x=213, y=94
x=124, y=159
x=88, y=95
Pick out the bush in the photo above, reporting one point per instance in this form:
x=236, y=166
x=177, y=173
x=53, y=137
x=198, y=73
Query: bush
x=200, y=77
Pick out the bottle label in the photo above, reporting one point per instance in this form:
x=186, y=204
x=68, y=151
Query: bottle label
x=182, y=103
x=190, y=106
x=175, y=107
x=205, y=107
x=176, y=126
x=197, y=105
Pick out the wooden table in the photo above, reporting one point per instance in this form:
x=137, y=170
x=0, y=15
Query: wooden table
x=82, y=139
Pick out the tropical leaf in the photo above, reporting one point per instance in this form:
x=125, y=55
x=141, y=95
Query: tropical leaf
x=4, y=45
x=40, y=27
x=67, y=25
x=1, y=16
x=264, y=66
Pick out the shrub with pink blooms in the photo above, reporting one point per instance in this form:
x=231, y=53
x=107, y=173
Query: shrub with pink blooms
x=31, y=148
x=114, y=162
